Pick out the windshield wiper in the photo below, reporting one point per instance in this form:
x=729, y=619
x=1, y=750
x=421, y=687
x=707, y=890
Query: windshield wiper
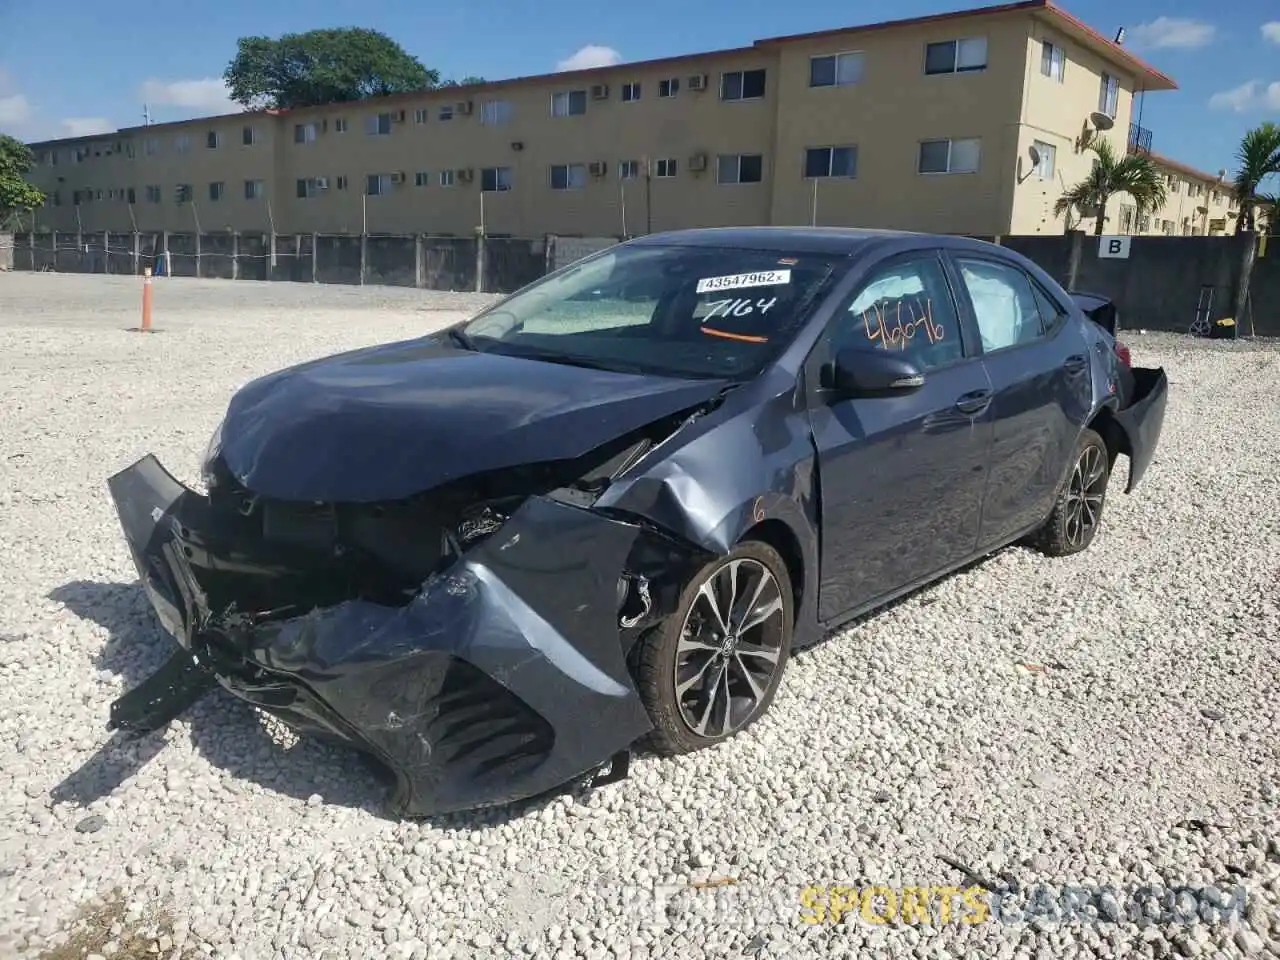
x=460, y=338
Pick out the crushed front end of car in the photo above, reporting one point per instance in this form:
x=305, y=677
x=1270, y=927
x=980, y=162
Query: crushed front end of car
x=472, y=639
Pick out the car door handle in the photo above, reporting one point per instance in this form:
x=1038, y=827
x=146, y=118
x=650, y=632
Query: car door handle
x=974, y=402
x=1075, y=363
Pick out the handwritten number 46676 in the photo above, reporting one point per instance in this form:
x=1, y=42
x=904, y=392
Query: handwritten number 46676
x=738, y=307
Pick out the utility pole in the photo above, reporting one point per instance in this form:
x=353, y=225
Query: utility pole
x=146, y=114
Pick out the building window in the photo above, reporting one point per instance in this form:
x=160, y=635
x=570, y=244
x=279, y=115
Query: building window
x=377, y=184
x=152, y=193
x=628, y=169
x=831, y=162
x=956, y=56
x=216, y=190
x=312, y=187
x=740, y=168
x=668, y=88
x=742, y=85
x=568, y=176
x=446, y=112
x=1048, y=159
x=340, y=182
x=495, y=179
x=1108, y=95
x=665, y=168
x=253, y=189
x=150, y=146
x=950, y=156
x=304, y=133
x=421, y=114
x=378, y=124
x=341, y=125
x=446, y=178
x=249, y=136
x=130, y=196
x=569, y=103
x=835, y=70
x=630, y=92
x=495, y=112
x=182, y=143
x=183, y=193
x=422, y=179
x=1053, y=61
x=213, y=139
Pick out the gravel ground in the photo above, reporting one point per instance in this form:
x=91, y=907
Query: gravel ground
x=1105, y=720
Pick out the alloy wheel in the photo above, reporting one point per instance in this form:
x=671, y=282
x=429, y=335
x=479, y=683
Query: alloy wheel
x=729, y=649
x=1084, y=495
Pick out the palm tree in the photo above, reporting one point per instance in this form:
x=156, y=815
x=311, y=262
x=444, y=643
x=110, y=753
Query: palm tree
x=1269, y=207
x=1133, y=174
x=1259, y=157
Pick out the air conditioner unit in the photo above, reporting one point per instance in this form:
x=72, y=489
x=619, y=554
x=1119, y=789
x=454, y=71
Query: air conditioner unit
x=698, y=82
x=598, y=168
x=465, y=107
x=322, y=183
x=600, y=91
x=466, y=174
x=397, y=116
x=398, y=177
x=698, y=162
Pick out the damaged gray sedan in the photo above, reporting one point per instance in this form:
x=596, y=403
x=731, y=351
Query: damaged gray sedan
x=605, y=511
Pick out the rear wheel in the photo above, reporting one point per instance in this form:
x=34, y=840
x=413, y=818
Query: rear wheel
x=713, y=668
x=1077, y=513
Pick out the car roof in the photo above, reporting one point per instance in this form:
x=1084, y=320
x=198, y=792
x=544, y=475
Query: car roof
x=838, y=241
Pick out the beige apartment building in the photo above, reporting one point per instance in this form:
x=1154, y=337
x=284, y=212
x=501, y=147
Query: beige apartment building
x=920, y=124
x=1197, y=204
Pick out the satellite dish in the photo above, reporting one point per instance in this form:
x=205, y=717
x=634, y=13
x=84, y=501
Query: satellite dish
x=1222, y=174
x=1101, y=120
x=1034, y=154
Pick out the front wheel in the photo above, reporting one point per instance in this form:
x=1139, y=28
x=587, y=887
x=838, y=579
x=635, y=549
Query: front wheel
x=713, y=668
x=1077, y=513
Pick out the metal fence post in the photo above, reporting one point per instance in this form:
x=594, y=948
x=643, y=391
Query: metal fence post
x=235, y=255
x=417, y=260
x=136, y=253
x=315, y=247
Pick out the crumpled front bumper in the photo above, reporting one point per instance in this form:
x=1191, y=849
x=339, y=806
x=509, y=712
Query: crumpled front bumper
x=502, y=679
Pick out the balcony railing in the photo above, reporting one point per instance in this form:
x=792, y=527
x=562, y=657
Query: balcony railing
x=1139, y=139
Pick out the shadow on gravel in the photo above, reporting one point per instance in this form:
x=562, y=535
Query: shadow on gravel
x=227, y=732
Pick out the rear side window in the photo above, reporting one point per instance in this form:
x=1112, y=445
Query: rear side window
x=1004, y=305
x=905, y=306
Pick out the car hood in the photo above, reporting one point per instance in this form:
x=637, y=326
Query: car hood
x=386, y=422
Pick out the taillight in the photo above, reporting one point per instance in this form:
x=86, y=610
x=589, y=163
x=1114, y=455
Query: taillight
x=1123, y=353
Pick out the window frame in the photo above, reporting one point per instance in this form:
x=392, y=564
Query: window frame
x=370, y=178
x=831, y=156
x=568, y=179
x=970, y=345
x=950, y=142
x=254, y=189
x=1052, y=154
x=1036, y=288
x=673, y=88
x=213, y=140
x=447, y=179
x=955, y=43
x=1049, y=49
x=421, y=115
x=835, y=66
x=635, y=88
x=373, y=124
x=742, y=84
x=672, y=168
x=495, y=112
x=569, y=101
x=305, y=132
x=720, y=181
x=497, y=179
x=633, y=165
x=217, y=190
x=1108, y=94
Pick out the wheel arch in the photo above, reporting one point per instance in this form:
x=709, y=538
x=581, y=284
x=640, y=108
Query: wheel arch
x=778, y=535
x=1105, y=424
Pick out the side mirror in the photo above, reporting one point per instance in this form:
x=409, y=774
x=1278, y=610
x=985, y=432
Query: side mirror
x=871, y=373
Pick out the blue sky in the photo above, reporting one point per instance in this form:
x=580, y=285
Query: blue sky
x=91, y=66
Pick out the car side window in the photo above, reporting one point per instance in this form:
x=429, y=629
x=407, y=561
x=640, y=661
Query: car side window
x=1003, y=304
x=1051, y=312
x=907, y=307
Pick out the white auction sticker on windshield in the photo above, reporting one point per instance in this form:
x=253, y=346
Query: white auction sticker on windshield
x=763, y=278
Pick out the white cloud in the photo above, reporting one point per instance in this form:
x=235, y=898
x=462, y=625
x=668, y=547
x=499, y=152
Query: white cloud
x=592, y=55
x=1179, y=32
x=208, y=94
x=86, y=126
x=1271, y=31
x=14, y=110
x=1254, y=95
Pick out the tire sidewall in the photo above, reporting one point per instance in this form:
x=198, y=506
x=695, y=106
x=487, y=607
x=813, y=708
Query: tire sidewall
x=1088, y=438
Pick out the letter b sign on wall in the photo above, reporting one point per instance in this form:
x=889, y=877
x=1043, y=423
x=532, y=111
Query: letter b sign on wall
x=1114, y=248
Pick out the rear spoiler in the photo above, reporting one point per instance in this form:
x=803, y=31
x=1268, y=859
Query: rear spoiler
x=1099, y=309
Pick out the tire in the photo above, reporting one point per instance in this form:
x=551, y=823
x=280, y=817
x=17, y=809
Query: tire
x=754, y=663
x=1077, y=511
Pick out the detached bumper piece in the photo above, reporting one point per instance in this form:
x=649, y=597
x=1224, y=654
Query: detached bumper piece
x=1143, y=420
x=502, y=678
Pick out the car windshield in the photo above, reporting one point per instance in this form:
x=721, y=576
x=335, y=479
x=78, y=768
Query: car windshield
x=694, y=312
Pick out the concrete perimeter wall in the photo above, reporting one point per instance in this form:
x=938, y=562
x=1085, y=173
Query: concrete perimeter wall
x=1159, y=286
